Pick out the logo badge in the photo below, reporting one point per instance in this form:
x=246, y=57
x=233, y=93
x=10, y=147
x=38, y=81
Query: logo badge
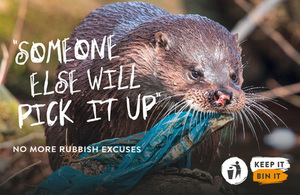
x=234, y=170
x=269, y=170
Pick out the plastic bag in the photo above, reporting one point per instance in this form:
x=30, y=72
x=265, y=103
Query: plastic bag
x=167, y=142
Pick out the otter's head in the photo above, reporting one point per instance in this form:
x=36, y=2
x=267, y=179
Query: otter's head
x=200, y=60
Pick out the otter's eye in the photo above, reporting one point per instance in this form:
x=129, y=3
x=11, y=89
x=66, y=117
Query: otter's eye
x=234, y=77
x=195, y=74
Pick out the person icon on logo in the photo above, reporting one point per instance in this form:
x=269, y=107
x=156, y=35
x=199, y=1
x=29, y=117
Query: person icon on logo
x=238, y=169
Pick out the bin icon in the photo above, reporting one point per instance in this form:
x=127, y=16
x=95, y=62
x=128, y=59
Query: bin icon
x=230, y=172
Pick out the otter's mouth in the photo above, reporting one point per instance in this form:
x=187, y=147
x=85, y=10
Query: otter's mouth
x=220, y=98
x=217, y=101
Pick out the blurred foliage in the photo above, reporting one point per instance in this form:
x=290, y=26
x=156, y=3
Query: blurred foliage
x=46, y=21
x=9, y=118
x=264, y=59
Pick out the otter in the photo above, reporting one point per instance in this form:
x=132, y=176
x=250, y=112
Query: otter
x=194, y=62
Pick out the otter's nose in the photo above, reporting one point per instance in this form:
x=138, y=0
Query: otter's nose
x=222, y=98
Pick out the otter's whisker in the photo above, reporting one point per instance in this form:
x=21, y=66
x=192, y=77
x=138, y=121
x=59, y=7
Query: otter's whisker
x=174, y=107
x=246, y=110
x=234, y=124
x=186, y=117
x=258, y=97
x=160, y=113
x=258, y=118
x=158, y=103
x=169, y=110
x=156, y=107
x=193, y=114
x=242, y=120
x=251, y=127
x=252, y=88
x=261, y=108
x=184, y=106
x=248, y=121
x=169, y=97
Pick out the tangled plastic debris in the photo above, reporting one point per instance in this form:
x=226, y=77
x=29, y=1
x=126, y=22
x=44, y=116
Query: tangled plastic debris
x=167, y=142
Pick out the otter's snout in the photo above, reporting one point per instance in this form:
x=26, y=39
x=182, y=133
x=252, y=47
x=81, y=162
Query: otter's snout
x=220, y=98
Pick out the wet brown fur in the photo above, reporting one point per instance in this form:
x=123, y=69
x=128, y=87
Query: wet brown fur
x=164, y=49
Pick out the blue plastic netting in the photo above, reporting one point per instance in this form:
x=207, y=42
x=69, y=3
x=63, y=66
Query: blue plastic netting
x=167, y=142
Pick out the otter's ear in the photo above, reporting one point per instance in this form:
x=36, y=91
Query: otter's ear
x=162, y=40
